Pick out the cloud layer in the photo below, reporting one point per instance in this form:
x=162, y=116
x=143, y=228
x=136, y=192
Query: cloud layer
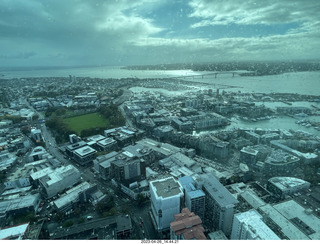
x=80, y=32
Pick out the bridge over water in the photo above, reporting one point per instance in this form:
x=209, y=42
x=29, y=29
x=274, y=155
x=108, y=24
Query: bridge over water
x=214, y=74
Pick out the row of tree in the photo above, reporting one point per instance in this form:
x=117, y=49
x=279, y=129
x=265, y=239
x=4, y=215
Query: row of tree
x=113, y=115
x=61, y=128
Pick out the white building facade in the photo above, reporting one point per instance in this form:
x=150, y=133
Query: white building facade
x=249, y=226
x=166, y=198
x=59, y=180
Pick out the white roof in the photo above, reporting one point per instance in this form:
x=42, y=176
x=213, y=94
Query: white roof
x=292, y=210
x=71, y=195
x=84, y=151
x=285, y=226
x=252, y=221
x=41, y=173
x=14, y=232
x=106, y=141
x=96, y=138
x=288, y=182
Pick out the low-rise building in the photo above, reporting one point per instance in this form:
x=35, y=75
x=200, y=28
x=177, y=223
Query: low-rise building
x=139, y=151
x=217, y=235
x=7, y=160
x=161, y=149
x=107, y=144
x=84, y=155
x=163, y=132
x=280, y=163
x=59, y=180
x=37, y=154
x=249, y=200
x=71, y=197
x=19, y=204
x=283, y=186
x=290, y=221
x=250, y=226
x=182, y=125
x=187, y=226
x=14, y=233
x=119, y=227
x=71, y=148
x=36, y=135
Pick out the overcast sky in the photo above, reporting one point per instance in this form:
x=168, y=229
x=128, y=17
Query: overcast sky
x=126, y=32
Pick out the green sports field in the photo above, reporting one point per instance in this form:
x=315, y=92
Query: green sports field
x=87, y=121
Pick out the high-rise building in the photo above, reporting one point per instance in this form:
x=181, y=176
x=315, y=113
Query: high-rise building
x=249, y=226
x=166, y=198
x=219, y=206
x=194, y=198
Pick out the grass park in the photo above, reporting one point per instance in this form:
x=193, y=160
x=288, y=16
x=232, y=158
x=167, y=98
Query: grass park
x=84, y=125
x=86, y=121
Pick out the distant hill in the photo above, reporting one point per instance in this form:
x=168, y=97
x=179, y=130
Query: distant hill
x=259, y=68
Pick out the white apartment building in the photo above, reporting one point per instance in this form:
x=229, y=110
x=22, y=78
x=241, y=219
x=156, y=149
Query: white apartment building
x=249, y=226
x=166, y=198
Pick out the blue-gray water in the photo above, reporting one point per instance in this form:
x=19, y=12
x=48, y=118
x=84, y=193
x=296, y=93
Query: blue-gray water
x=300, y=82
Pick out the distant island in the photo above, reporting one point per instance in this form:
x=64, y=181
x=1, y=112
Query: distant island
x=254, y=68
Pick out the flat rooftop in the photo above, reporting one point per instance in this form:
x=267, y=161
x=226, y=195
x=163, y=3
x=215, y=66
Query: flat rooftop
x=106, y=141
x=19, y=203
x=249, y=151
x=76, y=145
x=307, y=222
x=167, y=187
x=252, y=199
x=256, y=226
x=96, y=138
x=222, y=196
x=13, y=233
x=71, y=195
x=287, y=182
x=84, y=151
x=41, y=173
x=163, y=148
x=282, y=223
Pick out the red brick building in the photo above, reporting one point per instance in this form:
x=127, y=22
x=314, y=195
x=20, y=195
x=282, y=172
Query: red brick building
x=187, y=226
